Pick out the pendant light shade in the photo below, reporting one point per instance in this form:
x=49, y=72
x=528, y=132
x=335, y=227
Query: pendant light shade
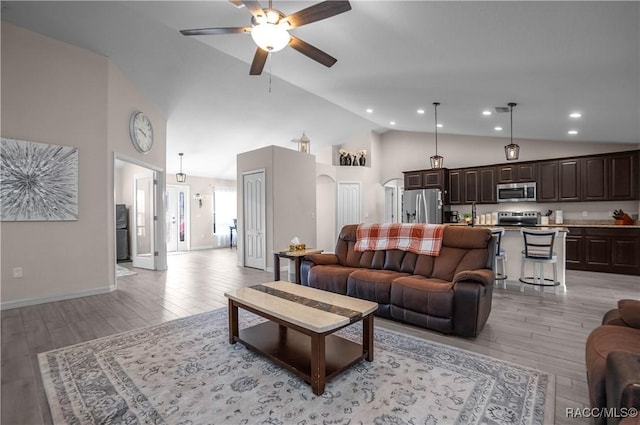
x=512, y=150
x=181, y=177
x=437, y=161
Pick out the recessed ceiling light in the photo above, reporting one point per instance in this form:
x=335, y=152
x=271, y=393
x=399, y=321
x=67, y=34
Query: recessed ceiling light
x=498, y=128
x=572, y=132
x=369, y=111
x=575, y=115
x=392, y=123
x=486, y=112
x=439, y=125
x=420, y=111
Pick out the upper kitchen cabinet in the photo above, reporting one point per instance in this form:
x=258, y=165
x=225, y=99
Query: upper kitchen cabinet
x=425, y=179
x=487, y=185
x=547, y=183
x=595, y=178
x=569, y=180
x=516, y=173
x=455, y=187
x=623, y=176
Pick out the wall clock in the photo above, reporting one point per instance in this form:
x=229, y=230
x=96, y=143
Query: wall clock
x=141, y=132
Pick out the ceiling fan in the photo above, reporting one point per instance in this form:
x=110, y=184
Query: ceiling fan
x=270, y=30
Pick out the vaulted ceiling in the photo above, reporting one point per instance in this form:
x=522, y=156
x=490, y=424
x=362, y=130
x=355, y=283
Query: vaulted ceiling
x=394, y=57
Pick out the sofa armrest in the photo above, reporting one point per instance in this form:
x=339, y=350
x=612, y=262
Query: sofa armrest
x=629, y=311
x=312, y=260
x=483, y=276
x=622, y=381
x=322, y=259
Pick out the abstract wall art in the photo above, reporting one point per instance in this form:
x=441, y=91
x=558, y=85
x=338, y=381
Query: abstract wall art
x=38, y=181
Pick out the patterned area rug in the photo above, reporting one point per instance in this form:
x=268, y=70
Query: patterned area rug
x=186, y=372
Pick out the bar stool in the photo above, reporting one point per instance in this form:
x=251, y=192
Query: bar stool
x=538, y=249
x=500, y=258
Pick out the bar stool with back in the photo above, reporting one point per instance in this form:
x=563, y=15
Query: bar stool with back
x=538, y=249
x=500, y=258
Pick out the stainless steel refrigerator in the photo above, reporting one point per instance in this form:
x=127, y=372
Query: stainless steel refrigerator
x=422, y=206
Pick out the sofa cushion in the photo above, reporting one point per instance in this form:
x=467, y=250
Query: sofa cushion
x=630, y=312
x=602, y=341
x=330, y=278
x=423, y=295
x=372, y=285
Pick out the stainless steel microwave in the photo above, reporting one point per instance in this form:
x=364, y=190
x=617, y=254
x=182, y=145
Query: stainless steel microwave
x=516, y=192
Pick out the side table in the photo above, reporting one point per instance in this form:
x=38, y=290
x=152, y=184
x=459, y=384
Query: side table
x=296, y=256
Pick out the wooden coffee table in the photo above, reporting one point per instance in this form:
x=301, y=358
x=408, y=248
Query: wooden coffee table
x=299, y=333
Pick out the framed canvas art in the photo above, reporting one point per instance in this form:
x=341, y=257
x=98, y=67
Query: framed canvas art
x=38, y=181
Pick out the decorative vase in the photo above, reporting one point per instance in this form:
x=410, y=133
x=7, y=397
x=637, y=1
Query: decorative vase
x=363, y=160
x=348, y=160
x=342, y=160
x=354, y=161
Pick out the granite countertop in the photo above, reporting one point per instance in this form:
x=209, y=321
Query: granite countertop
x=602, y=225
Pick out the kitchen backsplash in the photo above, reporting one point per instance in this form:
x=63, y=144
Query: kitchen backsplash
x=573, y=212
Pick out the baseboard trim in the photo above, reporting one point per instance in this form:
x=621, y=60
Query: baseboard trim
x=25, y=302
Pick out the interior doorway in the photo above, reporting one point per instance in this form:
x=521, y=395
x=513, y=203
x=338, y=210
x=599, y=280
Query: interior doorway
x=393, y=201
x=139, y=193
x=177, y=218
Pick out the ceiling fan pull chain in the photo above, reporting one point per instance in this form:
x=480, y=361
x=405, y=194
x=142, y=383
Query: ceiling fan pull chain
x=269, y=58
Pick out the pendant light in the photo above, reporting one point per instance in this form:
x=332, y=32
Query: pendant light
x=512, y=150
x=436, y=160
x=181, y=177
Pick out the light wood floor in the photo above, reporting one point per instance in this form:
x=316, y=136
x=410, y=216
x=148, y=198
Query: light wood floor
x=547, y=333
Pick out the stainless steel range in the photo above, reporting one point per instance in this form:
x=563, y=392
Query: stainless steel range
x=518, y=218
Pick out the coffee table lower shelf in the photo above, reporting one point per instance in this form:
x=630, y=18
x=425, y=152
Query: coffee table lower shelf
x=292, y=350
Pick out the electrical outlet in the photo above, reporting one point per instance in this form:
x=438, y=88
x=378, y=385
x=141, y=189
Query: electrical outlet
x=585, y=214
x=17, y=272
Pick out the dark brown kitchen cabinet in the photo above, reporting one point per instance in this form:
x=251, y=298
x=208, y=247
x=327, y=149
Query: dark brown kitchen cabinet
x=470, y=186
x=623, y=176
x=433, y=179
x=569, y=180
x=547, y=186
x=425, y=179
x=608, y=250
x=455, y=187
x=413, y=180
x=574, y=252
x=595, y=178
x=514, y=173
x=487, y=187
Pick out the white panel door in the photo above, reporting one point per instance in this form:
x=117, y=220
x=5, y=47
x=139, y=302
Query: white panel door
x=349, y=204
x=144, y=218
x=255, y=208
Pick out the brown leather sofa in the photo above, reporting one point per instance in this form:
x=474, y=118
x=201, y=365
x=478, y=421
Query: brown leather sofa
x=613, y=363
x=449, y=293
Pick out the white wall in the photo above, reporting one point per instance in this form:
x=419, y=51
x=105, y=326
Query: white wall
x=290, y=189
x=56, y=93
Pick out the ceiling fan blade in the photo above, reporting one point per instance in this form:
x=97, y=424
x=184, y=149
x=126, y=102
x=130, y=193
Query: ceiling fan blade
x=259, y=60
x=312, y=52
x=215, y=31
x=237, y=3
x=317, y=12
x=254, y=7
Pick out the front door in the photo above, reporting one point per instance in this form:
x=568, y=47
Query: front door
x=144, y=218
x=177, y=223
x=254, y=224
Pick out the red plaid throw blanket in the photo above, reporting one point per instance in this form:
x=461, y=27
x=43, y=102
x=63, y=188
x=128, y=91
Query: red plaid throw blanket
x=423, y=239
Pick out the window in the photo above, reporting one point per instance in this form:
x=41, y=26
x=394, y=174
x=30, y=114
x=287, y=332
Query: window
x=224, y=209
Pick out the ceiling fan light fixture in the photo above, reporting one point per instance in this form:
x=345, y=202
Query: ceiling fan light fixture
x=270, y=37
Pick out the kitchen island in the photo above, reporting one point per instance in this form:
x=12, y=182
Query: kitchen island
x=513, y=244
